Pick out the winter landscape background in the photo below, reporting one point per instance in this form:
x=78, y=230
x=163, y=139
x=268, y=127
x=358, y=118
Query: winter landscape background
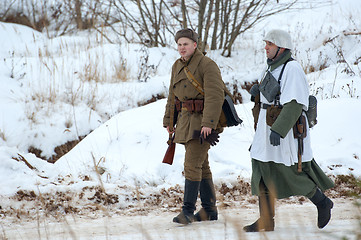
x=57, y=90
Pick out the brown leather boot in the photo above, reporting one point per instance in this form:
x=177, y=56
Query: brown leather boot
x=267, y=212
x=266, y=220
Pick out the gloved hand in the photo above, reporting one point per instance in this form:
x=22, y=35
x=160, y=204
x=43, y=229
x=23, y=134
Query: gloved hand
x=254, y=91
x=211, y=138
x=275, y=138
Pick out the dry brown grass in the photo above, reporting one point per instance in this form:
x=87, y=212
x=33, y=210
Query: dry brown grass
x=2, y=135
x=122, y=71
x=138, y=200
x=94, y=202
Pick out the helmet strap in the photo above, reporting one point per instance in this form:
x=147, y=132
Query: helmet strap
x=278, y=49
x=279, y=60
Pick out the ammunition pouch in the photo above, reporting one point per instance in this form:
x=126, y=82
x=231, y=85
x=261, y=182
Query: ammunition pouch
x=312, y=111
x=192, y=106
x=272, y=113
x=178, y=105
x=198, y=106
x=269, y=87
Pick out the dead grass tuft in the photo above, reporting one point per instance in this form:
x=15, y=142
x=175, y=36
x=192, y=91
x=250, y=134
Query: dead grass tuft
x=2, y=135
x=347, y=186
x=103, y=198
x=122, y=72
x=91, y=73
x=20, y=158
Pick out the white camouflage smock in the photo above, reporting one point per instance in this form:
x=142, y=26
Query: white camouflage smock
x=294, y=86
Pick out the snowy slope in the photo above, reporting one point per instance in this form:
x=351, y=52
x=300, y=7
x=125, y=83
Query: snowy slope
x=46, y=99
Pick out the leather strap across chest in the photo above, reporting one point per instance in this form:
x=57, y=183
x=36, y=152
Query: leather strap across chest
x=194, y=82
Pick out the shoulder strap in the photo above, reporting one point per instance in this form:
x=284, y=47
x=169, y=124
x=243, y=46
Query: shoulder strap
x=277, y=98
x=283, y=68
x=198, y=86
x=192, y=79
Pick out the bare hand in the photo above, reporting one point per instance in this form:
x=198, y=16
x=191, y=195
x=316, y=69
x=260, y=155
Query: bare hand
x=206, y=131
x=170, y=132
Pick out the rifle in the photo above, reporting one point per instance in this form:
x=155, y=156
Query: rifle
x=169, y=154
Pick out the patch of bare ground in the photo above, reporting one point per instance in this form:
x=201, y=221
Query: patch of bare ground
x=60, y=150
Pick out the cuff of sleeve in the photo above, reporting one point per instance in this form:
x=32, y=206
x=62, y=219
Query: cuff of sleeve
x=209, y=124
x=290, y=113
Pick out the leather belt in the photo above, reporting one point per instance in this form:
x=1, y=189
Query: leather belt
x=265, y=106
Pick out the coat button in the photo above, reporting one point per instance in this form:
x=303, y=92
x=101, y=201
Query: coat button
x=212, y=120
x=185, y=86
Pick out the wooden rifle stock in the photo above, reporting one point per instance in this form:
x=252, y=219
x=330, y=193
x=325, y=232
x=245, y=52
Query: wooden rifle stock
x=169, y=154
x=299, y=132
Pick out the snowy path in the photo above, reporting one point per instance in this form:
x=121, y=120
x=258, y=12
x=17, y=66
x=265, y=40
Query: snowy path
x=293, y=221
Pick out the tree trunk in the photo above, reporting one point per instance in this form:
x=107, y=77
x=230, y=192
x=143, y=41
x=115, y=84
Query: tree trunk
x=208, y=24
x=201, y=11
x=79, y=21
x=226, y=11
x=216, y=21
x=184, y=14
x=156, y=23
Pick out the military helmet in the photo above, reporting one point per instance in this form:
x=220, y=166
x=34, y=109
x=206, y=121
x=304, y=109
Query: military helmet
x=280, y=38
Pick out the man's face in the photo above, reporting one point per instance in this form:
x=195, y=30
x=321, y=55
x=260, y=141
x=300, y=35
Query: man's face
x=186, y=47
x=271, y=49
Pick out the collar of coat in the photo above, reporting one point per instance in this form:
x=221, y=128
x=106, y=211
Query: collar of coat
x=281, y=59
x=192, y=63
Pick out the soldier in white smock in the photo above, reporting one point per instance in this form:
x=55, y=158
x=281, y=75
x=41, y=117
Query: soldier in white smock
x=275, y=150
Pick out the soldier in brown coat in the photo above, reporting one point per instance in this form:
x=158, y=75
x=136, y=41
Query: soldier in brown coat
x=196, y=112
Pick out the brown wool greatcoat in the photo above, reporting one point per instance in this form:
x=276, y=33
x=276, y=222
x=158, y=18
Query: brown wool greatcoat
x=207, y=73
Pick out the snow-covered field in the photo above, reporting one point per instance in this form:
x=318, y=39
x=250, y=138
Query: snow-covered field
x=57, y=90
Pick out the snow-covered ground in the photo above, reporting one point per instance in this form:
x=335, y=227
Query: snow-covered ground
x=293, y=222
x=57, y=90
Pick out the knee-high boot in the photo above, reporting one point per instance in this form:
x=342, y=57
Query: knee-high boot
x=267, y=212
x=208, y=211
x=191, y=189
x=324, y=206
